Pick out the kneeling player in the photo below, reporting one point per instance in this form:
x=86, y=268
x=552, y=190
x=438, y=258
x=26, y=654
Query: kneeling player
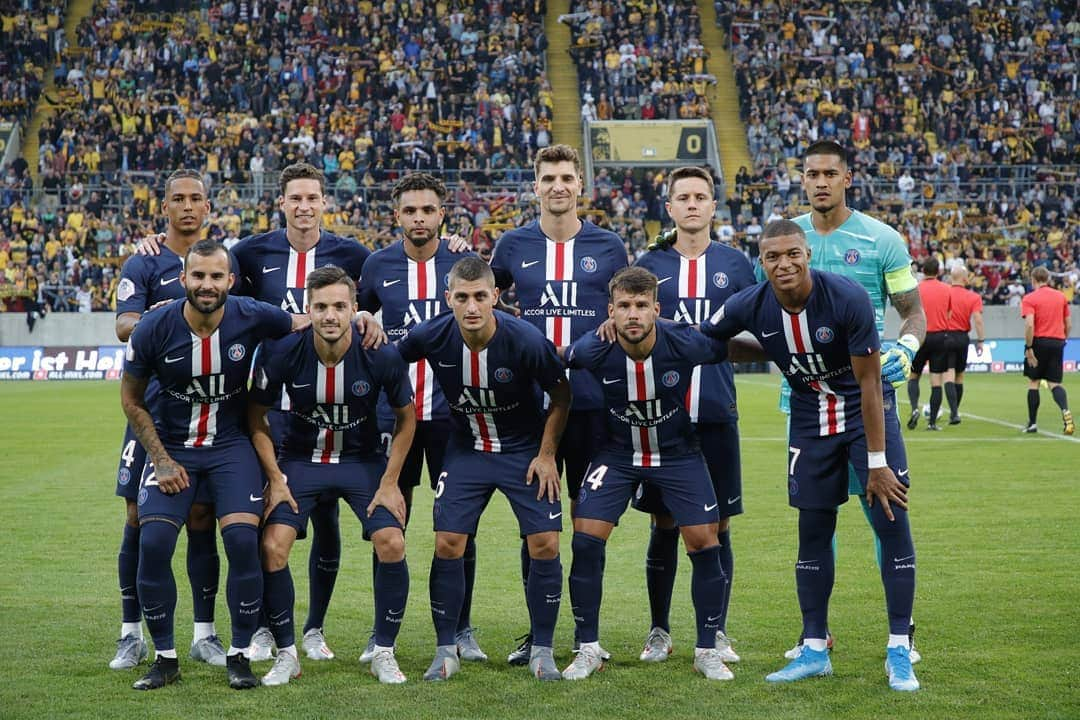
x=819, y=329
x=331, y=447
x=492, y=367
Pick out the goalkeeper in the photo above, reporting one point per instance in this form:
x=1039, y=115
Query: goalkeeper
x=873, y=254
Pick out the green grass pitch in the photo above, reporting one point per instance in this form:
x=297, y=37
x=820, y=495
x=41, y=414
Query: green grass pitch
x=993, y=513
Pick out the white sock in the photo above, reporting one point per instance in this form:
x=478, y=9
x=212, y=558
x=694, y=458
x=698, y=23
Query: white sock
x=290, y=650
x=233, y=650
x=380, y=648
x=816, y=644
x=166, y=653
x=203, y=630
x=594, y=646
x=134, y=628
x=898, y=641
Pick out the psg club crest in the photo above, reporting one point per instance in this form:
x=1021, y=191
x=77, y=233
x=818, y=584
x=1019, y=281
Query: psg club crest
x=670, y=378
x=237, y=352
x=142, y=496
x=824, y=335
x=851, y=257
x=792, y=487
x=360, y=388
x=588, y=264
x=125, y=476
x=720, y=280
x=504, y=375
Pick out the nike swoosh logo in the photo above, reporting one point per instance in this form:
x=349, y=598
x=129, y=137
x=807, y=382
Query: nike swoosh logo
x=254, y=498
x=442, y=364
x=270, y=270
x=556, y=596
x=661, y=281
x=165, y=282
x=732, y=501
x=804, y=562
x=248, y=604
x=528, y=264
x=710, y=508
x=608, y=381
x=909, y=557
x=903, y=472
x=712, y=618
x=301, y=386
x=770, y=334
x=170, y=361
x=395, y=612
x=388, y=283
x=552, y=516
x=209, y=589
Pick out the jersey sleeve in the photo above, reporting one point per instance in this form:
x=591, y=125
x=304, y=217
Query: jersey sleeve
x=273, y=322
x=413, y=347
x=394, y=376
x=587, y=352
x=697, y=348
x=139, y=354
x=266, y=374
x=366, y=296
x=742, y=272
x=1027, y=306
x=542, y=360
x=861, y=326
x=728, y=321
x=243, y=261
x=358, y=256
x=502, y=262
x=132, y=292
x=895, y=263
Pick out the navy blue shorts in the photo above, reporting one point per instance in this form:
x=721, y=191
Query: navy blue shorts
x=470, y=477
x=683, y=484
x=228, y=476
x=586, y=430
x=310, y=483
x=720, y=446
x=130, y=470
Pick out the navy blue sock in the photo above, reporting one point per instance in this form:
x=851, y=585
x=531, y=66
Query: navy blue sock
x=913, y=393
x=469, y=558
x=391, y=596
x=1033, y=405
x=127, y=569
x=815, y=570
x=935, y=402
x=1060, y=397
x=587, y=584
x=950, y=397
x=323, y=562
x=959, y=394
x=280, y=594
x=157, y=586
x=446, y=588
x=898, y=566
x=204, y=568
x=661, y=564
x=707, y=588
x=543, y=596
x=244, y=583
x=727, y=564
x=525, y=560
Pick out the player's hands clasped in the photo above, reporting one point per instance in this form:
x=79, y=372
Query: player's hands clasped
x=546, y=473
x=882, y=485
x=389, y=496
x=277, y=492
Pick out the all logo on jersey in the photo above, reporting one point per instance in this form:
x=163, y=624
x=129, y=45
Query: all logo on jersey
x=565, y=297
x=824, y=335
x=720, y=280
x=237, y=352
x=588, y=264
x=360, y=388
x=504, y=375
x=851, y=257
x=670, y=378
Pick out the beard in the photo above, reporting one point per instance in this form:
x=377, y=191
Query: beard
x=199, y=303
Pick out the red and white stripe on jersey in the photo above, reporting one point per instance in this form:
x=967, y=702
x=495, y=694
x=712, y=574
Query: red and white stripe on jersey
x=641, y=385
x=692, y=277
x=559, y=266
x=329, y=390
x=693, y=394
x=205, y=361
x=474, y=374
x=831, y=413
x=301, y=264
x=423, y=285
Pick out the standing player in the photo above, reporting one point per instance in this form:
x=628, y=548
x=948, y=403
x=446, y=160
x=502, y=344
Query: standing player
x=407, y=281
x=645, y=377
x=855, y=245
x=936, y=298
x=332, y=447
x=966, y=312
x=696, y=276
x=820, y=331
x=560, y=266
x=145, y=281
x=195, y=436
x=1047, y=323
x=493, y=367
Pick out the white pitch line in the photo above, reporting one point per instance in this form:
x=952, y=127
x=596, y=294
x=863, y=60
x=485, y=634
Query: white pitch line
x=931, y=438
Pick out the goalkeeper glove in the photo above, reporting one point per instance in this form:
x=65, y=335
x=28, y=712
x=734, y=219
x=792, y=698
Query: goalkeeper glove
x=896, y=361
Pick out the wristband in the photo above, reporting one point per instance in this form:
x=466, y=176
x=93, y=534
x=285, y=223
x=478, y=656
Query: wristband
x=911, y=342
x=875, y=460
x=1027, y=347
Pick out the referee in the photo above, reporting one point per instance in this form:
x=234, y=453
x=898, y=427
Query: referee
x=1046, y=325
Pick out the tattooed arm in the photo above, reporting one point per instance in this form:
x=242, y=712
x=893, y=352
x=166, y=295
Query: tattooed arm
x=171, y=476
x=913, y=319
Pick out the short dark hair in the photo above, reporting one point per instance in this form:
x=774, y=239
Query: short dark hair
x=329, y=275
x=633, y=281
x=418, y=181
x=930, y=267
x=555, y=154
x=780, y=228
x=468, y=269
x=301, y=171
x=1040, y=275
x=689, y=171
x=207, y=248
x=827, y=147
x=181, y=174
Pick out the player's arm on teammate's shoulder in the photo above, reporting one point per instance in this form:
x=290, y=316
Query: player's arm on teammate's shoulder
x=370, y=330
x=881, y=485
x=543, y=467
x=744, y=347
x=388, y=493
x=150, y=244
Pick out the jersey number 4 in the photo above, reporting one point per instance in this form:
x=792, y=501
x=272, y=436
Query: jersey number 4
x=596, y=478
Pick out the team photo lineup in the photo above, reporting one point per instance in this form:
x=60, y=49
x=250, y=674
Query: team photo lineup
x=524, y=311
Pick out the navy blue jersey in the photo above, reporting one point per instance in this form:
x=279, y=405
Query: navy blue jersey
x=562, y=287
x=332, y=415
x=812, y=348
x=203, y=398
x=494, y=394
x=690, y=290
x=273, y=271
x=646, y=399
x=146, y=280
x=409, y=292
